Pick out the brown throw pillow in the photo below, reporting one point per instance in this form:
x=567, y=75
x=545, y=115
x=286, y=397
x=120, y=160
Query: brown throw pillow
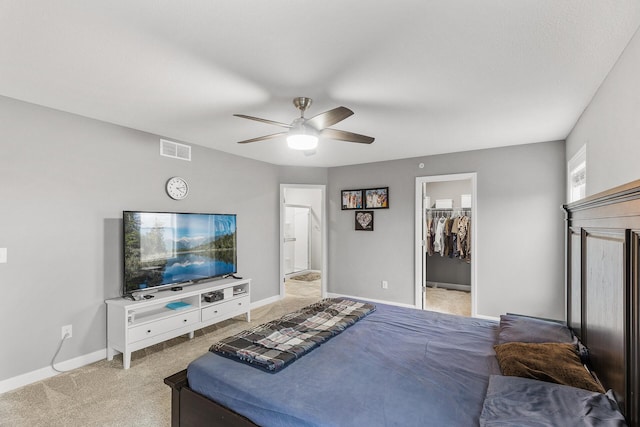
x=551, y=362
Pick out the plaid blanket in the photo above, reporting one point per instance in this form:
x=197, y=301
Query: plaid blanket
x=276, y=344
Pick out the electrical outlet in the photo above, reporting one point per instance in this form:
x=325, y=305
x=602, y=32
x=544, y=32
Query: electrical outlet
x=385, y=284
x=68, y=329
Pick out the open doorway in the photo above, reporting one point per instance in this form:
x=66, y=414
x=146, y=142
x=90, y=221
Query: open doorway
x=302, y=241
x=446, y=227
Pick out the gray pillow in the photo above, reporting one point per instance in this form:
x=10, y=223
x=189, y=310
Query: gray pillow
x=515, y=328
x=524, y=402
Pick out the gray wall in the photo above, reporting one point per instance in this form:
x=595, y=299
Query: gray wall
x=66, y=180
x=520, y=228
x=610, y=126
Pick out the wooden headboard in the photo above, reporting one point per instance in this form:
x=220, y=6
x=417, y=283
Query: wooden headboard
x=603, y=271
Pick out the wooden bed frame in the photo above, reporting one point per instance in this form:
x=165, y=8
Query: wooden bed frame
x=602, y=296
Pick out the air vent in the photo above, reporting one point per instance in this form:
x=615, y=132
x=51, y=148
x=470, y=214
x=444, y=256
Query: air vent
x=175, y=150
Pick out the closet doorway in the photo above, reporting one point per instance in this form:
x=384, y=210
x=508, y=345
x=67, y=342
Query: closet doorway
x=446, y=230
x=302, y=241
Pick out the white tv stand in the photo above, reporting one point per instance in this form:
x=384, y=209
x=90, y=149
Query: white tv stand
x=134, y=325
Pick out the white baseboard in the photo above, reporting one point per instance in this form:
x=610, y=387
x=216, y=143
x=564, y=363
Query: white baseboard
x=332, y=295
x=77, y=362
x=298, y=273
x=48, y=372
x=266, y=301
x=482, y=316
x=454, y=286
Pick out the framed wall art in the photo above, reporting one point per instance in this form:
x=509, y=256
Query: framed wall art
x=376, y=198
x=364, y=220
x=351, y=199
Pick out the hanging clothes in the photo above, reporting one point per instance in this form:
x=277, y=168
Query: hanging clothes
x=455, y=253
x=429, y=233
x=438, y=242
x=464, y=238
x=449, y=236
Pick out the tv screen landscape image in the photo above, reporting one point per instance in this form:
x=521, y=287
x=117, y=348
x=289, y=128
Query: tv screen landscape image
x=167, y=249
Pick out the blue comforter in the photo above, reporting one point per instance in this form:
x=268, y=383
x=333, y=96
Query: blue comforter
x=396, y=367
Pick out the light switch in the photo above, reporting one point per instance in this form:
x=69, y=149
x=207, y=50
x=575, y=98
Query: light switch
x=3, y=255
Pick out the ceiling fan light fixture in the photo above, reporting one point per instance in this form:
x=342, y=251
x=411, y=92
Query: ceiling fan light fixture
x=302, y=141
x=302, y=137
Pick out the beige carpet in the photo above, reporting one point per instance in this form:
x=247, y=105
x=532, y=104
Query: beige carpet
x=302, y=288
x=448, y=301
x=104, y=394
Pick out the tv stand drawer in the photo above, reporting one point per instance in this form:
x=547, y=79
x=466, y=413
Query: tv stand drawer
x=141, y=332
x=226, y=309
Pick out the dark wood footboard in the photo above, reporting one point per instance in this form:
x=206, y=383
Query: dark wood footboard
x=190, y=409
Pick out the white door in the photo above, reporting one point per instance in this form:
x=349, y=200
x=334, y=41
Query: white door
x=296, y=239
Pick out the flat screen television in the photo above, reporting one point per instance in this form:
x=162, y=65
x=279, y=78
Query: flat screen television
x=164, y=249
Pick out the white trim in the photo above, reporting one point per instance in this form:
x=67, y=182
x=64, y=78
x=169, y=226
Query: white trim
x=420, y=180
x=482, y=316
x=48, y=372
x=324, y=225
x=265, y=301
x=445, y=285
x=332, y=295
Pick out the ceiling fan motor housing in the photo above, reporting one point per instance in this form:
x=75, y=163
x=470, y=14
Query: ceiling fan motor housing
x=302, y=103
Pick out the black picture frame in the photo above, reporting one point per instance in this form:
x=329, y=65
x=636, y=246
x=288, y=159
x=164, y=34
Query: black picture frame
x=364, y=220
x=351, y=199
x=376, y=198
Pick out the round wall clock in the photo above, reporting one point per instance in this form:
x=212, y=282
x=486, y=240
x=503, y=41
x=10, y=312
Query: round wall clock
x=177, y=188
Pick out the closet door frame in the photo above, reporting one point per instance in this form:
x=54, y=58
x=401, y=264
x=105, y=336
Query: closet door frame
x=419, y=241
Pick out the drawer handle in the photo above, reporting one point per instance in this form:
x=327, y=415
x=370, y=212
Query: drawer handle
x=239, y=303
x=215, y=312
x=184, y=320
x=148, y=331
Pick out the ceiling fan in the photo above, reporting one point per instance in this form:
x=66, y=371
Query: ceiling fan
x=303, y=133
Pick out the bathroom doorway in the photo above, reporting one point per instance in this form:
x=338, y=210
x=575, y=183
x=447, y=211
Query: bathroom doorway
x=303, y=241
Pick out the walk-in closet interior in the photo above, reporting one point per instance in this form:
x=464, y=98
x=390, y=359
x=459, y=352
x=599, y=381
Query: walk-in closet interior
x=447, y=244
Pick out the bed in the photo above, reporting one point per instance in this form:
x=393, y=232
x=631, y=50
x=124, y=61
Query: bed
x=399, y=366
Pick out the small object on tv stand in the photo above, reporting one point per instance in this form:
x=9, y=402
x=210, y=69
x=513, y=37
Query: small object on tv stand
x=138, y=296
x=176, y=288
x=213, y=296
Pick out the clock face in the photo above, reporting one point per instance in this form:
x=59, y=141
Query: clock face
x=177, y=188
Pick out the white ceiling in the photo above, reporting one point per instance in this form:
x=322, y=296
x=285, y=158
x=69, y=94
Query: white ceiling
x=423, y=77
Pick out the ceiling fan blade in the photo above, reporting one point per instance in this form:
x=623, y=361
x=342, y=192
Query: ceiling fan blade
x=263, y=138
x=329, y=118
x=258, y=119
x=343, y=135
